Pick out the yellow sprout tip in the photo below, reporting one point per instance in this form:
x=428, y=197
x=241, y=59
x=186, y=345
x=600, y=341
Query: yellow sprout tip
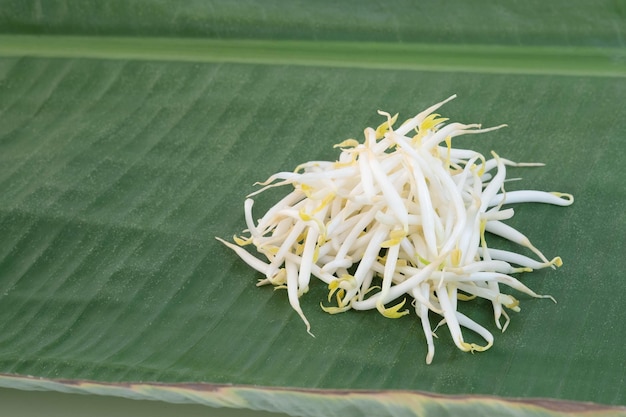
x=242, y=241
x=348, y=143
x=384, y=127
x=304, y=216
x=334, y=310
x=392, y=312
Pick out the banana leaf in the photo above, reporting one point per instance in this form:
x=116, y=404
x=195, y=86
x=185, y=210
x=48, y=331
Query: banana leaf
x=131, y=132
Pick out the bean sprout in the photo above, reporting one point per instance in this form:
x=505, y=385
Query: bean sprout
x=399, y=214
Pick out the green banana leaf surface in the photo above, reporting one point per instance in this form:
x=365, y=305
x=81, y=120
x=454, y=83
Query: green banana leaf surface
x=132, y=131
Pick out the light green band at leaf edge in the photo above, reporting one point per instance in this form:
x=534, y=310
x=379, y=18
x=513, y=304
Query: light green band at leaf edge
x=307, y=402
x=608, y=62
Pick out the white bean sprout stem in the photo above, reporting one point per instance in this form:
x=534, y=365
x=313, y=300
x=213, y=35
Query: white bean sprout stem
x=401, y=213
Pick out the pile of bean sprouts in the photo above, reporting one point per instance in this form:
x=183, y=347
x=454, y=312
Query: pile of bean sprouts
x=402, y=213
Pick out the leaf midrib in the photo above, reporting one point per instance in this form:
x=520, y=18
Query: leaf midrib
x=573, y=61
